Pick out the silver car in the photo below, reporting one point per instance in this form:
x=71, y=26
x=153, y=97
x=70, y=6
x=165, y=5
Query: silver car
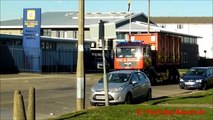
x=124, y=86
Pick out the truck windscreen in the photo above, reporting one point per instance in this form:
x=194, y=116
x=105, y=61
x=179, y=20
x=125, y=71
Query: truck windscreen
x=128, y=52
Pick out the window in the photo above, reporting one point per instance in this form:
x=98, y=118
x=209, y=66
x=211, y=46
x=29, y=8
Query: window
x=128, y=52
x=179, y=26
x=120, y=35
x=185, y=57
x=186, y=40
x=58, y=34
x=74, y=34
x=141, y=76
x=134, y=78
x=48, y=45
x=47, y=32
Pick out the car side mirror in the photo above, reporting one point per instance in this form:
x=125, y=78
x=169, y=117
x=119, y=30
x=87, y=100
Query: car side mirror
x=134, y=82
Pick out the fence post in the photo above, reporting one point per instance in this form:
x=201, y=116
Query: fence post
x=31, y=104
x=19, y=109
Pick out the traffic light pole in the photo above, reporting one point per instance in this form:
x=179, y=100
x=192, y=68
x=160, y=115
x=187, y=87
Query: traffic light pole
x=80, y=101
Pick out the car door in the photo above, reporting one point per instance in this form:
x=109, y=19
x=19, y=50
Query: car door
x=144, y=84
x=135, y=87
x=211, y=74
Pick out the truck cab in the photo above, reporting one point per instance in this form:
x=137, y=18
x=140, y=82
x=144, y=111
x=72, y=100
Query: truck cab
x=132, y=55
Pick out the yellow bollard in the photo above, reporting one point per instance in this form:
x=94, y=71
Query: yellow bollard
x=31, y=104
x=18, y=110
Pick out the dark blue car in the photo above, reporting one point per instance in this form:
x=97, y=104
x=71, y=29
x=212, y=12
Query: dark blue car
x=197, y=78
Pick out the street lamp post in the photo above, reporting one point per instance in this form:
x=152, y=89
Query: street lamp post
x=205, y=53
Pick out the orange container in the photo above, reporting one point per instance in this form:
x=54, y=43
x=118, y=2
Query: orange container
x=165, y=48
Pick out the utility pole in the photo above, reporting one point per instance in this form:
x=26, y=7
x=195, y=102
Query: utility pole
x=101, y=37
x=80, y=101
x=148, y=16
x=130, y=19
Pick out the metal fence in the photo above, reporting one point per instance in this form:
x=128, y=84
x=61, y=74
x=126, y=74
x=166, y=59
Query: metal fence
x=59, y=60
x=36, y=60
x=26, y=59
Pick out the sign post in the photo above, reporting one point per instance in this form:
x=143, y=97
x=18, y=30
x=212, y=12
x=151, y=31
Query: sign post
x=101, y=37
x=31, y=37
x=100, y=32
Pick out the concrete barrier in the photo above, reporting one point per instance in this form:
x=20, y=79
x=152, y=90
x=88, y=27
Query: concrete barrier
x=18, y=107
x=31, y=104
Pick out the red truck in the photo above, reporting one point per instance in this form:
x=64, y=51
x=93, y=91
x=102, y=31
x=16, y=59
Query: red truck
x=157, y=54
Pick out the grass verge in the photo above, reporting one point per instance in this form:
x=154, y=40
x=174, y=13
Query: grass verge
x=151, y=111
x=140, y=111
x=199, y=97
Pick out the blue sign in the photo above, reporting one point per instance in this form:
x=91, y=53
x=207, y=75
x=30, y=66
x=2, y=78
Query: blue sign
x=31, y=28
x=31, y=37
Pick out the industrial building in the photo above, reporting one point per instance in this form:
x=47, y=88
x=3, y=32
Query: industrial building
x=59, y=32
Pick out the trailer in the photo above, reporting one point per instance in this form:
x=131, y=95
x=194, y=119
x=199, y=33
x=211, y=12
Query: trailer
x=157, y=54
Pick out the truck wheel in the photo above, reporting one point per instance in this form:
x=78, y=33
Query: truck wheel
x=128, y=99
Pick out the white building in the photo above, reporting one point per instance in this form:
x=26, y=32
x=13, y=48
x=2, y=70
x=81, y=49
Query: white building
x=200, y=26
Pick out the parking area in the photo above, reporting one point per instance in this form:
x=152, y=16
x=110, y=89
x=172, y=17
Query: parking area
x=56, y=93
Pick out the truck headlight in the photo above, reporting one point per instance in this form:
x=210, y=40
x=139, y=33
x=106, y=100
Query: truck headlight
x=200, y=80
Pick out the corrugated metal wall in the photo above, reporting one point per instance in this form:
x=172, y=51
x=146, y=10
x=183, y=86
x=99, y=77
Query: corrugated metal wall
x=14, y=59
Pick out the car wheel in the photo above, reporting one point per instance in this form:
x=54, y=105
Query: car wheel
x=128, y=99
x=92, y=104
x=204, y=86
x=181, y=87
x=149, y=96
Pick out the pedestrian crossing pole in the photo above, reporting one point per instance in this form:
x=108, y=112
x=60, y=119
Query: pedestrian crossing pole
x=80, y=101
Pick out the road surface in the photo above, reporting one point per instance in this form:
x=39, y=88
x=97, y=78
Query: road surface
x=56, y=93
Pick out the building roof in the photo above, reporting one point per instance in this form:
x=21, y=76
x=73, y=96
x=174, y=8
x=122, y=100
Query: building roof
x=69, y=19
x=202, y=20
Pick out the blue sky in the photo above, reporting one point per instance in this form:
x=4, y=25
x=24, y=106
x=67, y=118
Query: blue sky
x=12, y=9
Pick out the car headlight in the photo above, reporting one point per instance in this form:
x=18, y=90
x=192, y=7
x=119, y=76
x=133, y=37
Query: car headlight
x=92, y=90
x=200, y=80
x=117, y=89
x=181, y=80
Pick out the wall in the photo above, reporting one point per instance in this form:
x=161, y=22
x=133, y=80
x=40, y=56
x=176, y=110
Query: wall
x=192, y=55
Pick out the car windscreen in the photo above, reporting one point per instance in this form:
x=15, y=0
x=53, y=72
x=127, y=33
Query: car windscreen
x=200, y=72
x=116, y=78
